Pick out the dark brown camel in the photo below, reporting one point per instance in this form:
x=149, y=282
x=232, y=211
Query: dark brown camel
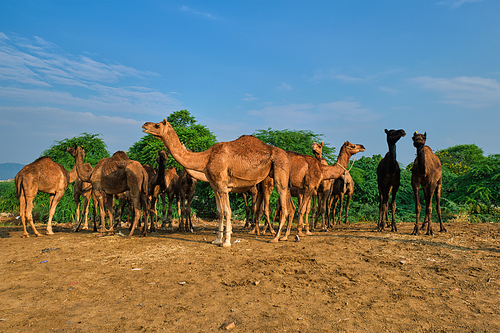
x=426, y=172
x=226, y=166
x=112, y=176
x=46, y=176
x=324, y=191
x=170, y=191
x=388, y=178
x=187, y=189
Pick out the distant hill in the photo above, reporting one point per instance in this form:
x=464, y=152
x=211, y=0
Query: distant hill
x=9, y=170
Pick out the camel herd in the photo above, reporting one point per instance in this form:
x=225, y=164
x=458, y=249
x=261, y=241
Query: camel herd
x=245, y=165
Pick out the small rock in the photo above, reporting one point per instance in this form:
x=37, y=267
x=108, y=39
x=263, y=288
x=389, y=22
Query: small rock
x=256, y=283
x=229, y=326
x=402, y=262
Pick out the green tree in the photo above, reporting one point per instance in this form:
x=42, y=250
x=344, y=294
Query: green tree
x=95, y=150
x=299, y=141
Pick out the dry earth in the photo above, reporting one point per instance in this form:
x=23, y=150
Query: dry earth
x=346, y=280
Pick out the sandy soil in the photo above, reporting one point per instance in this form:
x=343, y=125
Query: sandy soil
x=346, y=280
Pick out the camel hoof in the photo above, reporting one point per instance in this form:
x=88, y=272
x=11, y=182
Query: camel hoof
x=252, y=232
x=49, y=233
x=226, y=245
x=308, y=233
x=284, y=238
x=274, y=240
x=26, y=236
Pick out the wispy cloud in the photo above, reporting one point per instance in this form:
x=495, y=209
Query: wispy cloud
x=35, y=70
x=464, y=90
x=454, y=4
x=333, y=75
x=192, y=11
x=249, y=98
x=285, y=87
x=307, y=114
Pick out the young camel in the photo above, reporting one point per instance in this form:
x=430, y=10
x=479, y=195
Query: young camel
x=187, y=189
x=46, y=176
x=307, y=173
x=228, y=166
x=388, y=178
x=82, y=192
x=112, y=176
x=427, y=172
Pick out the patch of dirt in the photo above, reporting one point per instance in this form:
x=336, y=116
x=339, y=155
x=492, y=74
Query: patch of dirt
x=350, y=279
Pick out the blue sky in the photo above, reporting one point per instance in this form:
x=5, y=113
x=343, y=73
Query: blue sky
x=346, y=69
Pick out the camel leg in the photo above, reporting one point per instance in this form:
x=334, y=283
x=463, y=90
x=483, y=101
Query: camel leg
x=247, y=211
x=341, y=200
x=85, y=213
x=346, y=221
x=218, y=240
x=438, y=208
x=26, y=207
x=227, y=211
x=284, y=198
x=53, y=204
x=393, y=208
x=429, y=192
x=417, y=208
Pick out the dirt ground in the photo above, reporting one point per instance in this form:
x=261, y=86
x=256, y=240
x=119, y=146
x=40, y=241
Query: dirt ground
x=350, y=279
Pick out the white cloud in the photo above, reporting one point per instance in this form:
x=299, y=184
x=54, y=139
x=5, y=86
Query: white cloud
x=249, y=98
x=285, y=87
x=308, y=114
x=37, y=71
x=454, y=4
x=464, y=90
x=192, y=11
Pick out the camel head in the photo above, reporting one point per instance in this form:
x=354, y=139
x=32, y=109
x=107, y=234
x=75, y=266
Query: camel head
x=317, y=149
x=419, y=140
x=352, y=148
x=156, y=129
x=162, y=154
x=76, y=151
x=394, y=135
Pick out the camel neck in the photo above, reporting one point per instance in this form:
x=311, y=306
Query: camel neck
x=73, y=174
x=421, y=159
x=194, y=162
x=82, y=173
x=338, y=169
x=392, y=157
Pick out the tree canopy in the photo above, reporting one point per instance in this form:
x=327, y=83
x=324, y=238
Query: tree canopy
x=95, y=149
x=299, y=141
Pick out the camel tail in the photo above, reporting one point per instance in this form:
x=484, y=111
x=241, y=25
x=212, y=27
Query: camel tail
x=19, y=187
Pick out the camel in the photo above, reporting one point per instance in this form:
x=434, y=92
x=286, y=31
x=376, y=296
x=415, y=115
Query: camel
x=426, y=172
x=249, y=210
x=170, y=190
x=331, y=191
x=307, y=173
x=320, y=200
x=227, y=166
x=388, y=178
x=46, y=176
x=187, y=188
x=343, y=186
x=114, y=175
x=156, y=183
x=82, y=192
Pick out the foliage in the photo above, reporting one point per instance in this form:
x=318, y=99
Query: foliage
x=460, y=158
x=299, y=141
x=95, y=150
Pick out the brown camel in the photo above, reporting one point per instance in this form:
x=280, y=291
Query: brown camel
x=261, y=207
x=320, y=200
x=187, y=188
x=170, y=190
x=427, y=172
x=112, y=176
x=46, y=176
x=388, y=178
x=342, y=186
x=249, y=210
x=241, y=163
x=82, y=192
x=307, y=173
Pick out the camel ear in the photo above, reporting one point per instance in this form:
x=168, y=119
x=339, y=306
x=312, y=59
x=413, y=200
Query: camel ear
x=321, y=144
x=425, y=135
x=385, y=131
x=164, y=122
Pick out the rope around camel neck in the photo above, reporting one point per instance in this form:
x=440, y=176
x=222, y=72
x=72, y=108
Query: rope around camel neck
x=348, y=163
